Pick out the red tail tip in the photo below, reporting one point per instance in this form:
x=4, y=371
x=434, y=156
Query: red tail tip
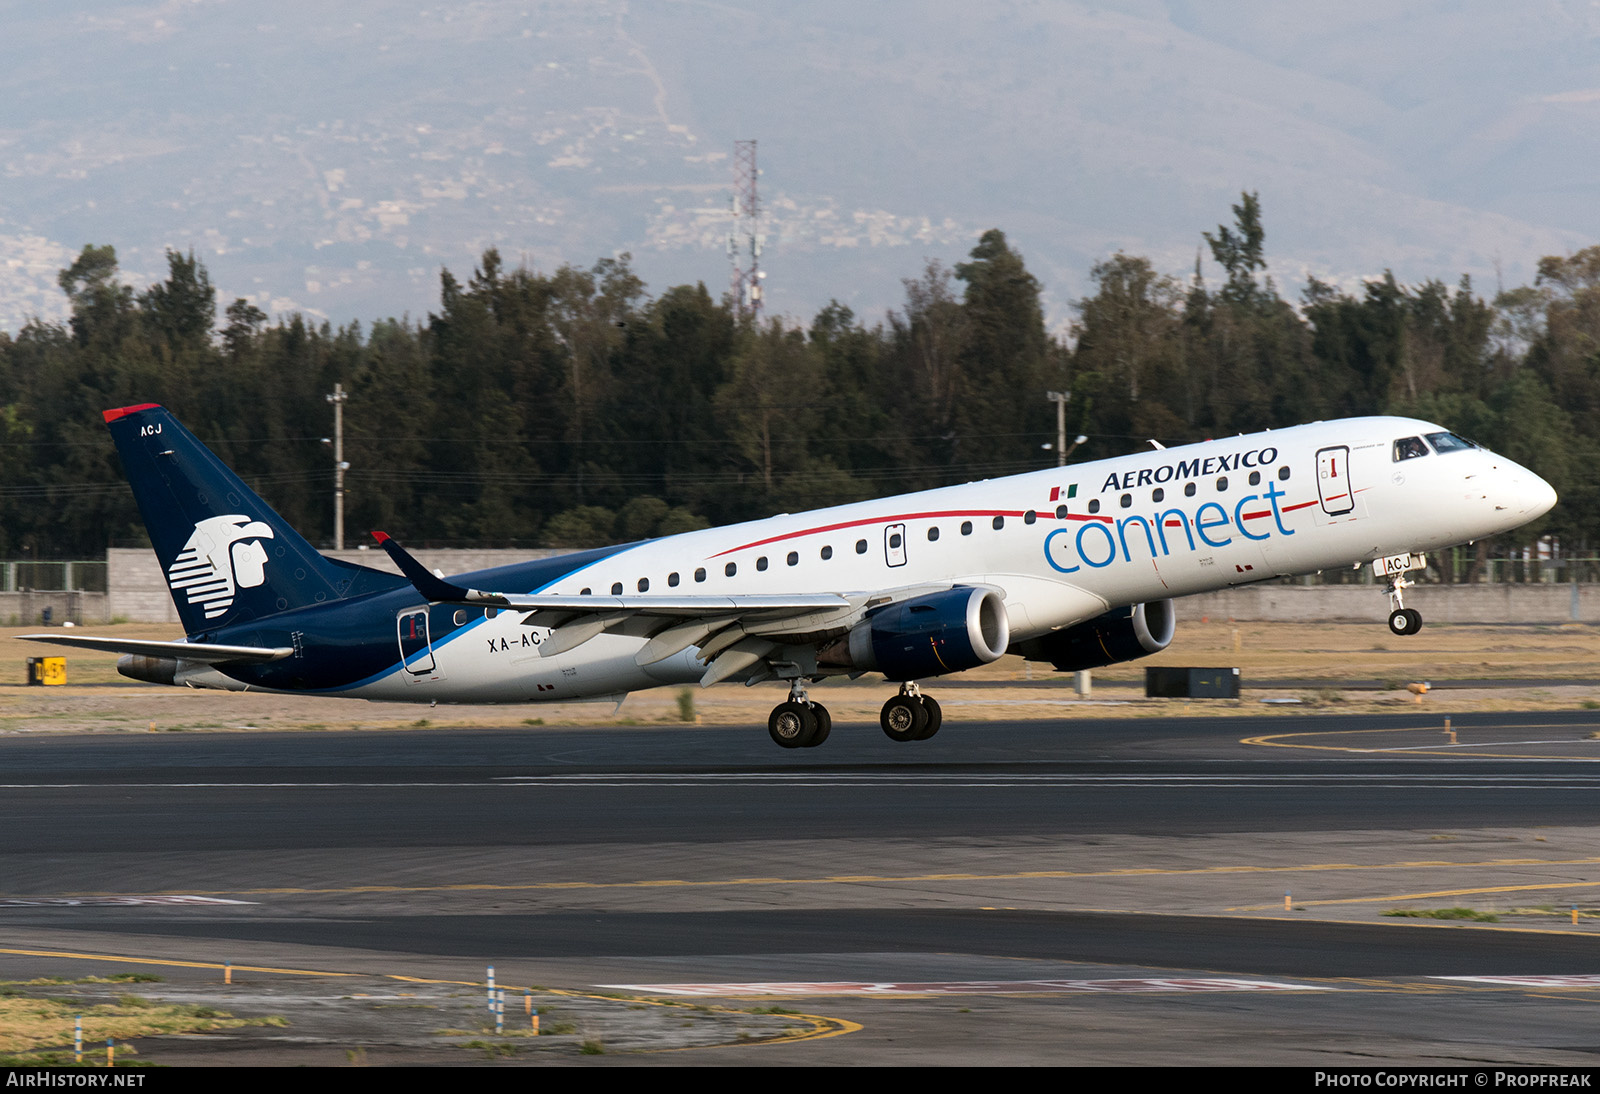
x=381, y=537
x=124, y=411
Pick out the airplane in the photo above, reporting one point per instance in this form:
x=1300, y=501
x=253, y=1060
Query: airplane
x=1077, y=566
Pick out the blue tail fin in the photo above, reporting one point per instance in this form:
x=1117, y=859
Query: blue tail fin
x=227, y=556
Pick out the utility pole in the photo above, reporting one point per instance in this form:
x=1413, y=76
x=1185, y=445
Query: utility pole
x=1061, y=399
x=339, y=465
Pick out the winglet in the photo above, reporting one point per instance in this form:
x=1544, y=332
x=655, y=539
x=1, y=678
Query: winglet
x=435, y=589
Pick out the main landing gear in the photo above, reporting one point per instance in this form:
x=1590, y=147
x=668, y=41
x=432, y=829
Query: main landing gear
x=911, y=715
x=799, y=723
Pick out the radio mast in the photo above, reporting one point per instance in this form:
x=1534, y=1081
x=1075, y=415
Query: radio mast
x=744, y=239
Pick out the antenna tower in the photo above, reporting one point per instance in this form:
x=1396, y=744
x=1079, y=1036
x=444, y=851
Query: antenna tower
x=744, y=241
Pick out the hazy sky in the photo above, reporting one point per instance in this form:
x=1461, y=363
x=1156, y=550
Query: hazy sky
x=332, y=158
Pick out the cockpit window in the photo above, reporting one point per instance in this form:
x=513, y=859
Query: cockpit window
x=1409, y=448
x=1449, y=442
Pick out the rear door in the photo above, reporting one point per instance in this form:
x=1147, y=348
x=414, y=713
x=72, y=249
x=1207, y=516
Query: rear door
x=416, y=652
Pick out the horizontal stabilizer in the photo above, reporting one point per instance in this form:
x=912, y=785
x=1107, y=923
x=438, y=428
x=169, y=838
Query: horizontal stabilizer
x=202, y=652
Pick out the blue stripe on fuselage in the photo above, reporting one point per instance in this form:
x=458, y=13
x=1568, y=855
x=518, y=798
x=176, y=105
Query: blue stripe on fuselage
x=349, y=643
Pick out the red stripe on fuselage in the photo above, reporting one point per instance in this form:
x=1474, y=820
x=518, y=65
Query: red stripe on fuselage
x=901, y=518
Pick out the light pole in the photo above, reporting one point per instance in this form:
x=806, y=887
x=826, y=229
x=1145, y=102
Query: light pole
x=339, y=466
x=1061, y=399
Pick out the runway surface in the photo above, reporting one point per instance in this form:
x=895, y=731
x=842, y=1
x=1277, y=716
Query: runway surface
x=1074, y=853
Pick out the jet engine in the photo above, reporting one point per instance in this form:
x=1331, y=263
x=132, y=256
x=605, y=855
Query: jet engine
x=1121, y=634
x=929, y=635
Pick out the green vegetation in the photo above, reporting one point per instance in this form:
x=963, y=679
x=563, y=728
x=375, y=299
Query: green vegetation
x=618, y=415
x=1444, y=913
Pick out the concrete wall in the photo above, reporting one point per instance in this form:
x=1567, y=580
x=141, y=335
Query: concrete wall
x=27, y=609
x=1369, y=603
x=138, y=593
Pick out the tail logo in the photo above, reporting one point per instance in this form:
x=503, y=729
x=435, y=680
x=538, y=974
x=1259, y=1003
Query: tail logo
x=222, y=556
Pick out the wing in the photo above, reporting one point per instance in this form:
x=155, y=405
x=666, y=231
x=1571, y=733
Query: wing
x=736, y=635
x=204, y=653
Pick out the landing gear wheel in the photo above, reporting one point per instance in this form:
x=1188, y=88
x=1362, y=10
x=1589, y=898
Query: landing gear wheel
x=930, y=706
x=824, y=725
x=1405, y=621
x=904, y=718
x=792, y=725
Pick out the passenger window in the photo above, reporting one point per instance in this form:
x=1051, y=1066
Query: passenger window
x=861, y=546
x=1029, y=517
x=1188, y=489
x=933, y=534
x=585, y=592
x=1061, y=512
x=761, y=563
x=731, y=568
x=1409, y=448
x=1094, y=505
x=1127, y=501
x=1158, y=495
x=700, y=574
x=616, y=589
x=1222, y=483
x=894, y=542
x=827, y=553
x=1255, y=478
x=644, y=584
x=794, y=558
x=999, y=523
x=1283, y=474
x=966, y=527
x=672, y=580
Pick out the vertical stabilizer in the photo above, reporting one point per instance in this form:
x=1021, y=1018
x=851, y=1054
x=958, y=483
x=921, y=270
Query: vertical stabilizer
x=227, y=556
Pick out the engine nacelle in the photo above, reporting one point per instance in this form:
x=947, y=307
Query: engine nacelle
x=1121, y=634
x=930, y=635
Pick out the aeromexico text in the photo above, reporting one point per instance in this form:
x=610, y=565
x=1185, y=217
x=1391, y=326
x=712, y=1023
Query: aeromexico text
x=1190, y=469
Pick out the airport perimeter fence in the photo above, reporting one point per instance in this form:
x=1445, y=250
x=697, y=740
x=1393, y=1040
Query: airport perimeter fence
x=128, y=584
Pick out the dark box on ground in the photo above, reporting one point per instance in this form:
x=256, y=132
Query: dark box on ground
x=1179, y=683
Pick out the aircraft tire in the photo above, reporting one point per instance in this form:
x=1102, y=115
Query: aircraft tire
x=930, y=707
x=824, y=725
x=903, y=718
x=1405, y=621
x=792, y=725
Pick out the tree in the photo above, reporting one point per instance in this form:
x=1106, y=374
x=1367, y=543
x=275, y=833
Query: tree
x=1239, y=250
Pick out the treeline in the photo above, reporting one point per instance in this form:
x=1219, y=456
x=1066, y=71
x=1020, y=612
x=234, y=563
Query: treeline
x=573, y=408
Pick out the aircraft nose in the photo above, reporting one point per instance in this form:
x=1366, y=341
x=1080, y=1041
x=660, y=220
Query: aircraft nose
x=1536, y=496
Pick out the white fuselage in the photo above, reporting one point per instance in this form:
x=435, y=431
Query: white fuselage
x=1063, y=545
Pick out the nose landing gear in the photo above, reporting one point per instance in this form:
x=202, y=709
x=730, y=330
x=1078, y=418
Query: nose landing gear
x=1402, y=620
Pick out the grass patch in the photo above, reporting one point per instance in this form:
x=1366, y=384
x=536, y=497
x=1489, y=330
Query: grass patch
x=492, y=1049
x=1470, y=914
x=29, y=1024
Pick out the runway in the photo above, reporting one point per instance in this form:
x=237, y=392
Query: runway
x=1071, y=853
